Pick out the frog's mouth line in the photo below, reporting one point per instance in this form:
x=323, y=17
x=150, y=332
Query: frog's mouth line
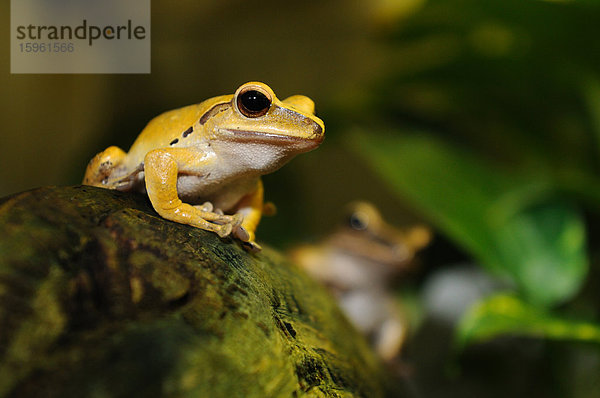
x=254, y=136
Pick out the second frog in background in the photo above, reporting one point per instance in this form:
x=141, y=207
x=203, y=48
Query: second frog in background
x=357, y=262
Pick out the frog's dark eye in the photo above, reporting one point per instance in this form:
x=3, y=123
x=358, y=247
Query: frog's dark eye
x=358, y=221
x=253, y=103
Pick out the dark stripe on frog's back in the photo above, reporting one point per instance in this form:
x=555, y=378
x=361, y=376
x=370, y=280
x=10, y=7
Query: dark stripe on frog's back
x=220, y=107
x=223, y=106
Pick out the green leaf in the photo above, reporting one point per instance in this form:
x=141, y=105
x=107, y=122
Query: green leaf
x=506, y=314
x=511, y=224
x=543, y=248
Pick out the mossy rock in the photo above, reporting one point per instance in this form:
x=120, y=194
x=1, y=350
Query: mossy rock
x=99, y=296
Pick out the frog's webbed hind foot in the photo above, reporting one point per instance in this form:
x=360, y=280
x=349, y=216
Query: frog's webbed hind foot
x=102, y=165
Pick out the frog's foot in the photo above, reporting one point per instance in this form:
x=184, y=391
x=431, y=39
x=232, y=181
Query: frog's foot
x=247, y=239
x=222, y=230
x=219, y=218
x=222, y=224
x=102, y=165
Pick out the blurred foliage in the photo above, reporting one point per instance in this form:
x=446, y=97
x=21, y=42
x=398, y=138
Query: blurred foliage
x=502, y=313
x=539, y=246
x=512, y=79
x=508, y=94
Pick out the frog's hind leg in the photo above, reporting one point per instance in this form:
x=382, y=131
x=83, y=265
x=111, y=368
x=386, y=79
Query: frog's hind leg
x=252, y=208
x=102, y=165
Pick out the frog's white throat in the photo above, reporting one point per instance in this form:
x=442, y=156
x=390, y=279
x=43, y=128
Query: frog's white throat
x=255, y=157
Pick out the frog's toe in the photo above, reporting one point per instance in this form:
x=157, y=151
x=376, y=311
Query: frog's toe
x=237, y=219
x=251, y=246
x=241, y=233
x=206, y=206
x=224, y=230
x=222, y=219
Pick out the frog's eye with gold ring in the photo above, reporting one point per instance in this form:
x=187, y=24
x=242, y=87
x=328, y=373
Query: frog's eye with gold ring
x=253, y=102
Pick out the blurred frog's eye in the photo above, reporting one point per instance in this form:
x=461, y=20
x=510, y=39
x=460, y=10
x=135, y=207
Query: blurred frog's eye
x=358, y=221
x=253, y=103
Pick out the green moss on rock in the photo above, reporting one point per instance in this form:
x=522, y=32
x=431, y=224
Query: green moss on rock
x=101, y=297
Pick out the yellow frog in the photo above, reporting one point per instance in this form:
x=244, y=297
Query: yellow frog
x=201, y=164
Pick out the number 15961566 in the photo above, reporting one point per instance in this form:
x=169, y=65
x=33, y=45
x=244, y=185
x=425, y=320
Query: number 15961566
x=62, y=47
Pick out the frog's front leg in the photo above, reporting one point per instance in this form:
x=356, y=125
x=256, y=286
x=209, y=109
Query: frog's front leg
x=251, y=208
x=390, y=337
x=161, y=168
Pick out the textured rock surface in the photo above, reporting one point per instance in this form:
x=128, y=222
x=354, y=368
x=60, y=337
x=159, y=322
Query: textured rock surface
x=99, y=297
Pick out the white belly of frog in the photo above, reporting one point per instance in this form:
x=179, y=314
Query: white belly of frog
x=199, y=189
